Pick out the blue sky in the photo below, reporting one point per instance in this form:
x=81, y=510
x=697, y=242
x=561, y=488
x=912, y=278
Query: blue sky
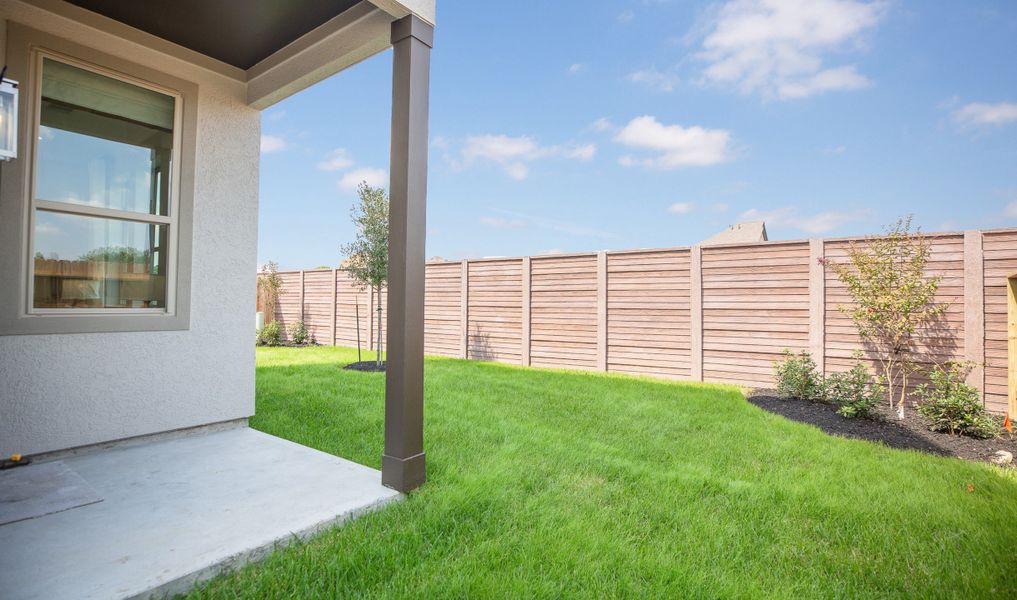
x=592, y=125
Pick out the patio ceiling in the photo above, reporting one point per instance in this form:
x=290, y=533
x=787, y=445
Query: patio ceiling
x=241, y=34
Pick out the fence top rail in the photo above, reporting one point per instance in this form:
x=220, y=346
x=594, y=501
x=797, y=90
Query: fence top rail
x=593, y=253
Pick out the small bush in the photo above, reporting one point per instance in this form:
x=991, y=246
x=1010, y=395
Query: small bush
x=853, y=391
x=299, y=334
x=953, y=405
x=797, y=376
x=270, y=335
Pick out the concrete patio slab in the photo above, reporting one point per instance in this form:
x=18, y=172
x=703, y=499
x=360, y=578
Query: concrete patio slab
x=36, y=490
x=179, y=511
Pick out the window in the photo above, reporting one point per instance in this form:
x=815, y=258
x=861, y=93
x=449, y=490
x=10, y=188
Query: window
x=103, y=220
x=96, y=210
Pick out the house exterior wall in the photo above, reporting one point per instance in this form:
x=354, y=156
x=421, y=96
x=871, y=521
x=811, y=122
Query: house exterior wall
x=61, y=391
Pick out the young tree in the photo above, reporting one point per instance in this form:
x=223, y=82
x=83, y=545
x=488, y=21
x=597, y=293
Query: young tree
x=367, y=255
x=269, y=288
x=893, y=301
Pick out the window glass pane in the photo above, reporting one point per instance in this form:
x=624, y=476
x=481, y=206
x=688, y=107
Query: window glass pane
x=7, y=125
x=91, y=262
x=103, y=142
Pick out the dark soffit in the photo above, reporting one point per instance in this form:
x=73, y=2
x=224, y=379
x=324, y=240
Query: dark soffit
x=238, y=32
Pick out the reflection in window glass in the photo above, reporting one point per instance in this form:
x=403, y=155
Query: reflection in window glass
x=91, y=262
x=103, y=142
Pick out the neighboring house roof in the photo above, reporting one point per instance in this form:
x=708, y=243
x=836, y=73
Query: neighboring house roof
x=753, y=231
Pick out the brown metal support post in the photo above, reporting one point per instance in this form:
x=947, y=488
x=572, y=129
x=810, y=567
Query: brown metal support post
x=402, y=464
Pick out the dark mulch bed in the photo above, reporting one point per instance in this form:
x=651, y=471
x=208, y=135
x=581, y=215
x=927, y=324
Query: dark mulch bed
x=911, y=433
x=369, y=366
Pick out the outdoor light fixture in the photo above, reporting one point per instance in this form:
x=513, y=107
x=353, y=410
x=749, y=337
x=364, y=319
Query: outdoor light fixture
x=8, y=117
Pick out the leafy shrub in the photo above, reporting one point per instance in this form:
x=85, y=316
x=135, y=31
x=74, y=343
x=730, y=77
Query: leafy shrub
x=299, y=334
x=953, y=405
x=270, y=335
x=853, y=391
x=798, y=377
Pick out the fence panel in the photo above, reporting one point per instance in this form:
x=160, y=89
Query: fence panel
x=563, y=311
x=755, y=304
x=648, y=313
x=318, y=304
x=495, y=310
x=1000, y=256
x=442, y=309
x=352, y=300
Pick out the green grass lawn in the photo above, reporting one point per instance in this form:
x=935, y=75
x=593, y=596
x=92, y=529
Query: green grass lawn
x=560, y=484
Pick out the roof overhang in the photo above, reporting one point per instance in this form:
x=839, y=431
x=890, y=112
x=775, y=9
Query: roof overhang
x=275, y=47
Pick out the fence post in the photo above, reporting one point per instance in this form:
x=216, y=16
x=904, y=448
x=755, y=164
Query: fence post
x=464, y=309
x=696, y=312
x=817, y=303
x=526, y=302
x=974, y=309
x=301, y=317
x=602, y=311
x=335, y=301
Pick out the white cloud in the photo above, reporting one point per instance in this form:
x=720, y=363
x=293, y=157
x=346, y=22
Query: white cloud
x=564, y=227
x=276, y=115
x=272, y=143
x=1010, y=211
x=626, y=16
x=682, y=208
x=791, y=217
x=47, y=229
x=583, y=152
x=777, y=47
x=602, y=124
x=719, y=207
x=503, y=223
x=373, y=177
x=513, y=153
x=337, y=160
x=678, y=146
x=658, y=80
x=835, y=149
x=577, y=68
x=551, y=251
x=978, y=114
x=841, y=78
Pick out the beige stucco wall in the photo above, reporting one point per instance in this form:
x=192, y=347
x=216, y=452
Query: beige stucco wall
x=63, y=391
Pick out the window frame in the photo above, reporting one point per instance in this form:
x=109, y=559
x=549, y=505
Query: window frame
x=26, y=50
x=39, y=55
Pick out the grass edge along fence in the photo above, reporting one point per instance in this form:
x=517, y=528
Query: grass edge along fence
x=704, y=313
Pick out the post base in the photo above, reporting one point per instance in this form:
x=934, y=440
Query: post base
x=403, y=474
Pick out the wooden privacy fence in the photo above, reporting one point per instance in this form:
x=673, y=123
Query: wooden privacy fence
x=713, y=313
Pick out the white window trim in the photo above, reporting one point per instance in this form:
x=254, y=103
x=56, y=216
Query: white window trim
x=38, y=56
x=26, y=49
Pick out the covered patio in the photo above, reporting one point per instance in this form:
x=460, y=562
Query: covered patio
x=146, y=487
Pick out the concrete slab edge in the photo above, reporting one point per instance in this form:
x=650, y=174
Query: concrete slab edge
x=186, y=582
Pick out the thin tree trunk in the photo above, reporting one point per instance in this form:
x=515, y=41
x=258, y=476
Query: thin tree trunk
x=903, y=393
x=377, y=295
